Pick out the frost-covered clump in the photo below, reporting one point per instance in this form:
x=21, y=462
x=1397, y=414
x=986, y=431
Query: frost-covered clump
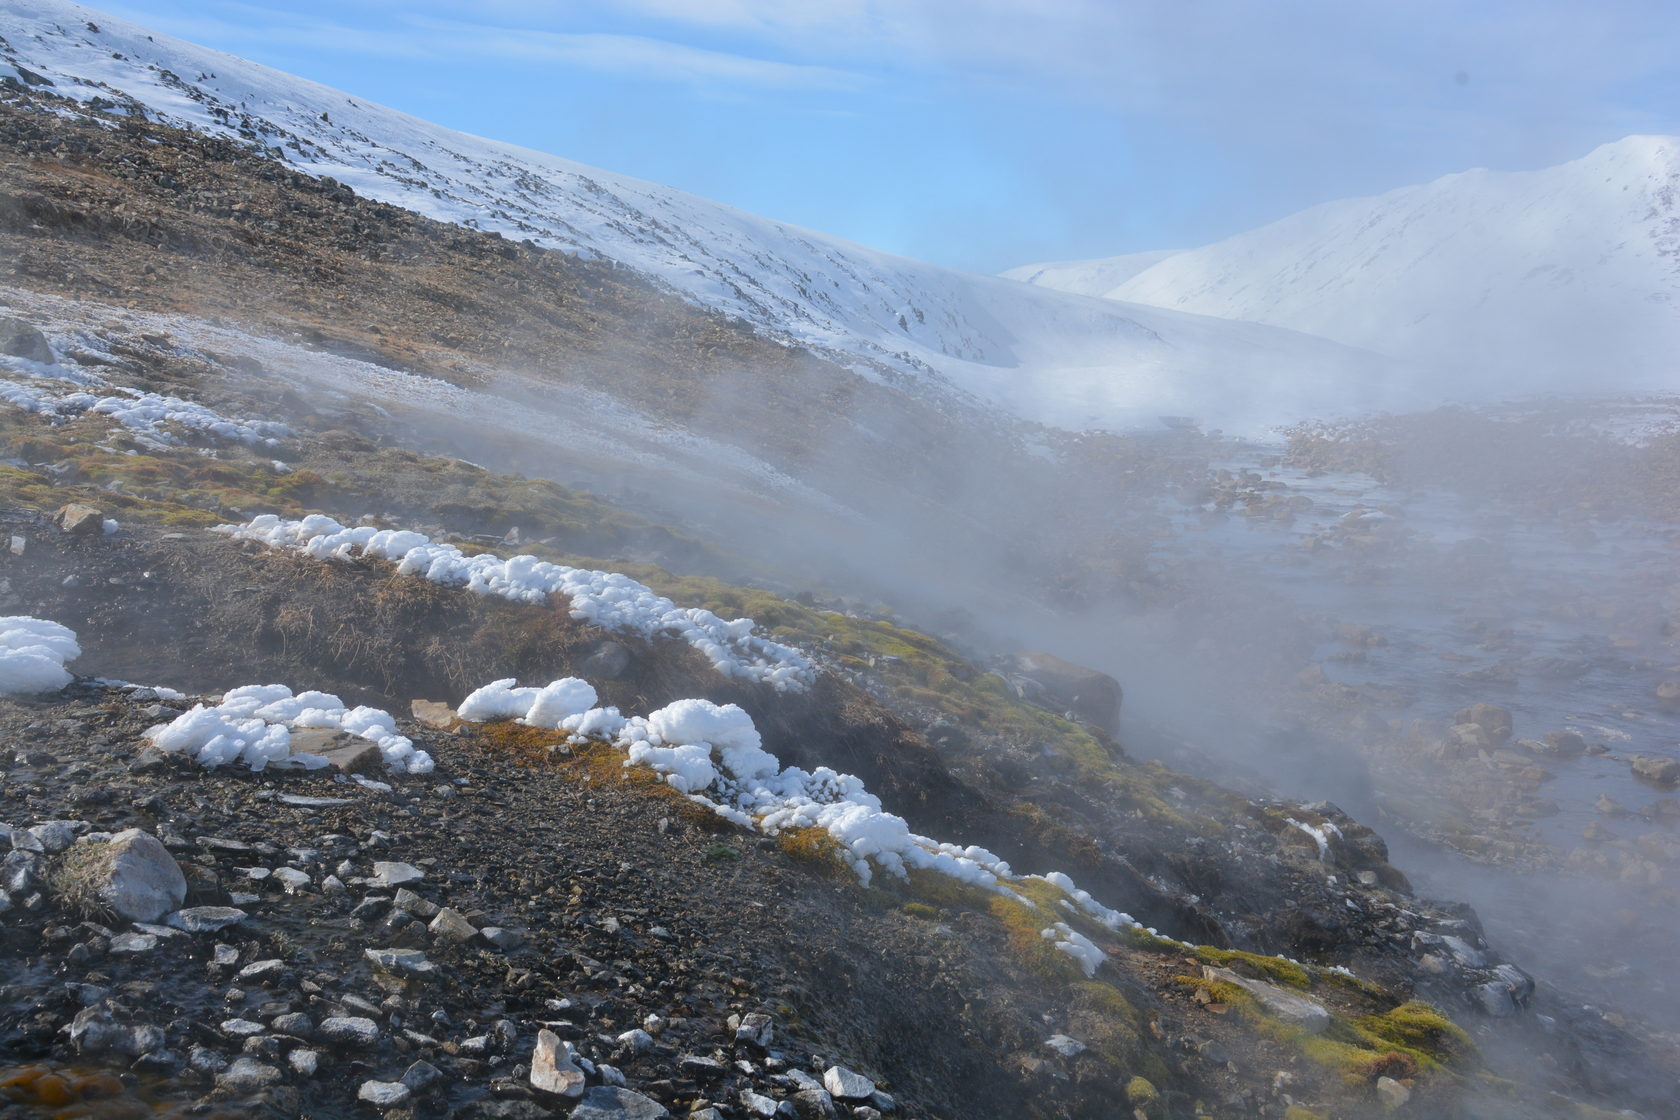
x=254, y=725
x=1090, y=907
x=713, y=753
x=32, y=655
x=1066, y=939
x=149, y=416
x=609, y=600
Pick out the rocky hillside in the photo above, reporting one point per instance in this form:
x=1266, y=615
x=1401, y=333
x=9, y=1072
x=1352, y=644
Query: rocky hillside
x=1038, y=354
x=445, y=790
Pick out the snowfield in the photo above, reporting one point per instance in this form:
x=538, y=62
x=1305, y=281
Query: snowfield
x=1557, y=279
x=1045, y=355
x=609, y=600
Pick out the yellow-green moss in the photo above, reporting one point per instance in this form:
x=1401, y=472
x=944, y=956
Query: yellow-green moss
x=1023, y=928
x=813, y=847
x=920, y=910
x=1141, y=1093
x=1273, y=968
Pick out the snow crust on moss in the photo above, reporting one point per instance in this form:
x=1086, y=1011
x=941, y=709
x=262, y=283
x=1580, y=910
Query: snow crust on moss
x=610, y=600
x=253, y=725
x=1066, y=939
x=150, y=417
x=714, y=754
x=32, y=655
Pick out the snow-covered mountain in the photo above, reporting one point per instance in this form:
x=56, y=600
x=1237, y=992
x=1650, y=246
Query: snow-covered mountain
x=1564, y=277
x=1045, y=355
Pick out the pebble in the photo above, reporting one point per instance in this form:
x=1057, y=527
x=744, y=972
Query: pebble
x=1065, y=1046
x=755, y=1028
x=304, y=1062
x=451, y=928
x=133, y=943
x=291, y=879
x=242, y=1028
x=757, y=1104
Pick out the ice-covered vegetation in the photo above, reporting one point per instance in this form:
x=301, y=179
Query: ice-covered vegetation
x=714, y=755
x=609, y=600
x=152, y=418
x=254, y=725
x=32, y=655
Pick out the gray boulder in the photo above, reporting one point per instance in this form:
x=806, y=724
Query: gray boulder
x=20, y=340
x=608, y=1102
x=131, y=874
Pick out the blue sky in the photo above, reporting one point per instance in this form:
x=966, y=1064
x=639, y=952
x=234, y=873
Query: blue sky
x=988, y=133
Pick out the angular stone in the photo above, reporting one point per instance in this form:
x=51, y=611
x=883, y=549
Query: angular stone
x=131, y=874
x=1392, y=1093
x=409, y=902
x=390, y=874
x=450, y=928
x=756, y=1028
x=258, y=971
x=1288, y=1006
x=553, y=1069
x=350, y=754
x=401, y=962
x=433, y=713
x=757, y=1104
x=205, y=919
x=79, y=520
x=421, y=1076
x=1654, y=769
x=846, y=1085
x=608, y=1102
x=1065, y=1046
x=291, y=879
x=20, y=340
x=383, y=1094
x=298, y=801
x=53, y=836
x=133, y=943
x=247, y=1075
x=504, y=939
x=349, y=1030
x=241, y=1028
x=304, y=1062
x=815, y=1104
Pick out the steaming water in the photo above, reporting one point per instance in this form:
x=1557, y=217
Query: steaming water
x=1574, y=609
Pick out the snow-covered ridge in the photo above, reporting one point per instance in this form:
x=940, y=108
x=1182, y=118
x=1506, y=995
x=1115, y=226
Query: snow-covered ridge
x=1565, y=277
x=610, y=600
x=1045, y=355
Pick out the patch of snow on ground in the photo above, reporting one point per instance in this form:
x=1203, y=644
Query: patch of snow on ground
x=254, y=725
x=149, y=416
x=609, y=600
x=1076, y=945
x=32, y=655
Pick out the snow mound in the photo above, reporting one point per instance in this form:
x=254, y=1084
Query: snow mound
x=1067, y=940
x=254, y=725
x=32, y=655
x=609, y=600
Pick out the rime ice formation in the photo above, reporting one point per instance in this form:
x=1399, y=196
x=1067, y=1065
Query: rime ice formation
x=606, y=599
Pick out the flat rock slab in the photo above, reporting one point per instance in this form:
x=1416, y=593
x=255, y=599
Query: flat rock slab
x=608, y=1102
x=298, y=801
x=1303, y=1011
x=350, y=754
x=434, y=713
x=401, y=962
x=205, y=919
x=395, y=874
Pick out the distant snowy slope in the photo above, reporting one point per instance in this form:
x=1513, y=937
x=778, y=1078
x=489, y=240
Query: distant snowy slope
x=1560, y=277
x=1046, y=355
x=1089, y=278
